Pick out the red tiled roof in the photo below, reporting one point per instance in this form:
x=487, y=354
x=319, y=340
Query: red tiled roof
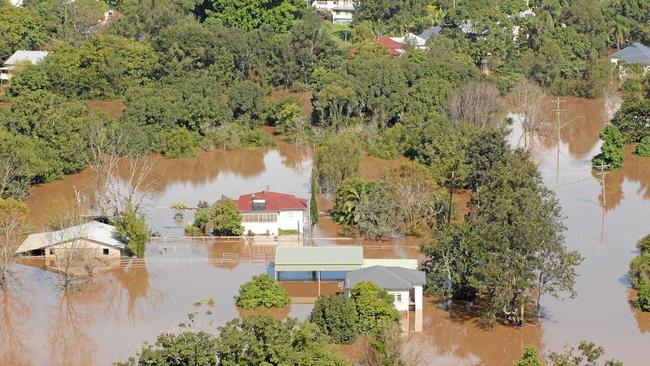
x=274, y=201
x=391, y=45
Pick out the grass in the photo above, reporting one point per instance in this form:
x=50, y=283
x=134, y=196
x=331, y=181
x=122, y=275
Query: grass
x=341, y=33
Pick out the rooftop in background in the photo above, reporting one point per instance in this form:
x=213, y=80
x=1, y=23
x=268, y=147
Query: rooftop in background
x=430, y=32
x=389, y=278
x=634, y=54
x=22, y=57
x=272, y=201
x=326, y=258
x=94, y=231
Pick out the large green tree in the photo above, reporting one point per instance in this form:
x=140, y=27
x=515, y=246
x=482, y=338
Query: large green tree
x=224, y=218
x=20, y=29
x=262, y=291
x=336, y=316
x=337, y=159
x=374, y=306
x=251, y=14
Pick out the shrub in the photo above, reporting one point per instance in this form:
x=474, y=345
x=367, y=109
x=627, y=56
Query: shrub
x=640, y=274
x=611, y=154
x=132, y=230
x=643, y=296
x=177, y=143
x=374, y=306
x=224, y=218
x=262, y=291
x=643, y=148
x=336, y=316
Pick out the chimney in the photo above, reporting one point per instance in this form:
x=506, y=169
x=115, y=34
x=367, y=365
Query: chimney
x=268, y=189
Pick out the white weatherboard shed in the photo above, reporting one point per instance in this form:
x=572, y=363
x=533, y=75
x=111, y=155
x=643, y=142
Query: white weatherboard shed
x=404, y=284
x=20, y=59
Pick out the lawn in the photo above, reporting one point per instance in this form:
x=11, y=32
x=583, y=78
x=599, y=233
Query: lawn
x=341, y=33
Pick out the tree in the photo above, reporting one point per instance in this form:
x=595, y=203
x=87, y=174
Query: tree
x=633, y=119
x=376, y=213
x=478, y=103
x=224, y=218
x=529, y=358
x=336, y=316
x=386, y=348
x=262, y=340
x=643, y=148
x=348, y=196
x=314, y=214
x=251, y=14
x=374, y=306
x=587, y=354
x=262, y=291
x=611, y=153
x=20, y=28
x=184, y=349
x=640, y=274
x=337, y=159
x=132, y=230
x=529, y=100
x=177, y=143
x=13, y=220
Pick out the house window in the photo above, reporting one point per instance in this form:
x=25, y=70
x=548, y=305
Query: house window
x=105, y=251
x=398, y=297
x=259, y=217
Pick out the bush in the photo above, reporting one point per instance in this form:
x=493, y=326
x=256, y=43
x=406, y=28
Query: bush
x=336, y=316
x=643, y=296
x=224, y=218
x=132, y=230
x=374, y=306
x=643, y=148
x=640, y=274
x=177, y=143
x=611, y=153
x=262, y=291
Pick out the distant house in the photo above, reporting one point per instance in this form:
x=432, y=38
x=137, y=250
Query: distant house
x=341, y=10
x=271, y=213
x=637, y=53
x=404, y=284
x=396, y=46
x=20, y=59
x=93, y=236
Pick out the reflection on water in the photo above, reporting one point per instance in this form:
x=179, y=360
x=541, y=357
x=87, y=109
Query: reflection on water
x=132, y=303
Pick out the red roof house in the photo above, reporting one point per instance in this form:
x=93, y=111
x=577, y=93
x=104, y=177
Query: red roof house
x=270, y=201
x=394, y=48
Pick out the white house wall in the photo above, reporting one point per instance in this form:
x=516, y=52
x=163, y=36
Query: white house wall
x=401, y=305
x=287, y=220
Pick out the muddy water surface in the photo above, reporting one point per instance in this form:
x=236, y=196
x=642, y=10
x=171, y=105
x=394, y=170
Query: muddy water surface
x=108, y=320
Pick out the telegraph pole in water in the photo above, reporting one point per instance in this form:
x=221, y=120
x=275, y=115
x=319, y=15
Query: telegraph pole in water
x=602, y=178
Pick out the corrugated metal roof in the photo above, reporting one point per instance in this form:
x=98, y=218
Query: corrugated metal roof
x=389, y=278
x=636, y=53
x=389, y=262
x=95, y=231
x=273, y=201
x=325, y=258
x=32, y=57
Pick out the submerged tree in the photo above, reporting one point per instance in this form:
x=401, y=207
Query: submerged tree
x=337, y=159
x=13, y=221
x=132, y=230
x=611, y=153
x=224, y=218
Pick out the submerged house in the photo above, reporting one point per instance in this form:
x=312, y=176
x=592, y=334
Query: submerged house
x=92, y=237
x=272, y=213
x=19, y=60
x=404, y=284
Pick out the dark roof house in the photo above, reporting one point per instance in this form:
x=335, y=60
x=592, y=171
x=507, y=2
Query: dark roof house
x=634, y=54
x=388, y=278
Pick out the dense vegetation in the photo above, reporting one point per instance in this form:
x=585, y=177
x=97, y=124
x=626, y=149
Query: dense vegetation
x=587, y=354
x=262, y=291
x=640, y=274
x=255, y=340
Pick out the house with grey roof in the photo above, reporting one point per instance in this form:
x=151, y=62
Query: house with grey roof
x=637, y=53
x=404, y=284
x=20, y=59
x=93, y=238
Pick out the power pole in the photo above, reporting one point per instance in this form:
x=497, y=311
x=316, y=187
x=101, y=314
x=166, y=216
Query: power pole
x=602, y=178
x=558, y=128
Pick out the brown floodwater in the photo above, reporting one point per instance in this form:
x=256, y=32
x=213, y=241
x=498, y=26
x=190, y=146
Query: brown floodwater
x=107, y=319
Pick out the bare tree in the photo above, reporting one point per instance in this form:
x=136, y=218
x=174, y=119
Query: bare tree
x=13, y=182
x=106, y=147
x=528, y=99
x=74, y=258
x=478, y=103
x=133, y=187
x=13, y=218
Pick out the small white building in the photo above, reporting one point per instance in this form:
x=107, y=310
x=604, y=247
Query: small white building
x=272, y=213
x=93, y=238
x=342, y=10
x=20, y=59
x=404, y=284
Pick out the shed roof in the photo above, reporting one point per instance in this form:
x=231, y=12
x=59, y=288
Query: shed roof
x=389, y=278
x=431, y=32
x=634, y=54
x=390, y=262
x=95, y=231
x=32, y=57
x=325, y=258
x=273, y=201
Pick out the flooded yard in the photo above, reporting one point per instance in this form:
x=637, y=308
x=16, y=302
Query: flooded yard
x=109, y=319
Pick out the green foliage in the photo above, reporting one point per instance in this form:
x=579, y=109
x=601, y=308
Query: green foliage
x=178, y=143
x=20, y=29
x=251, y=14
x=314, y=214
x=185, y=349
x=633, y=119
x=374, y=306
x=386, y=348
x=262, y=291
x=510, y=251
x=643, y=296
x=611, y=153
x=529, y=358
x=132, y=230
x=643, y=148
x=337, y=159
x=261, y=340
x=224, y=218
x=348, y=196
x=640, y=274
x=336, y=316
